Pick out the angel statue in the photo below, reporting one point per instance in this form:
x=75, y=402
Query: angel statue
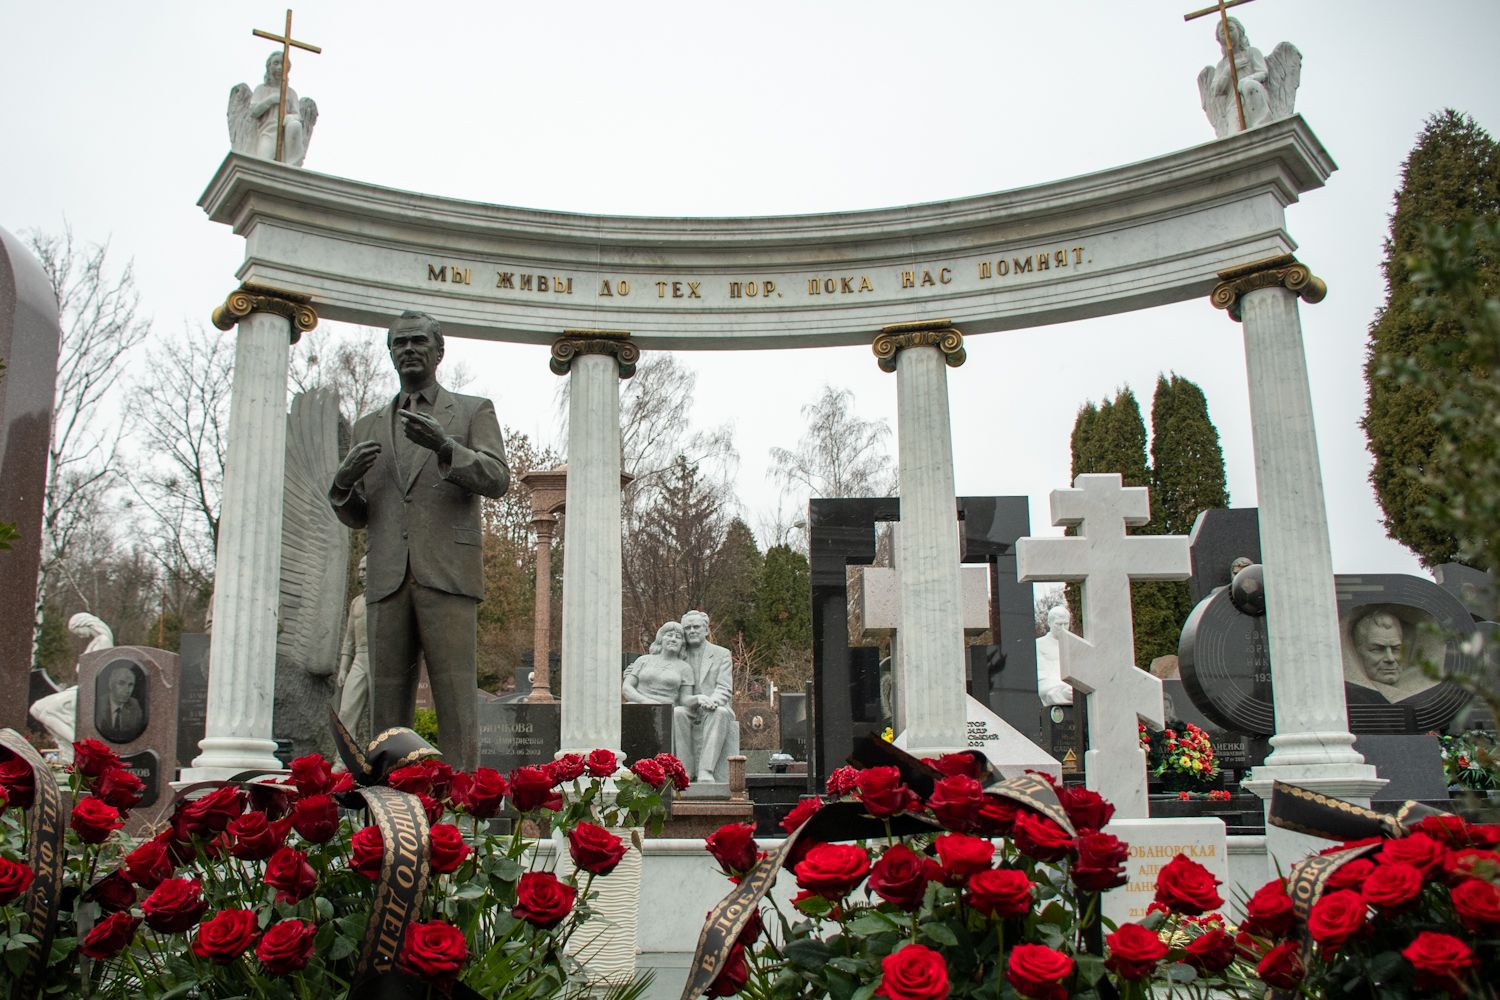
x=1268, y=84
x=252, y=118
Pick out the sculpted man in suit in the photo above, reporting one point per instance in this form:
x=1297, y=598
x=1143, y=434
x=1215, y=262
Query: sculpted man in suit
x=708, y=704
x=414, y=477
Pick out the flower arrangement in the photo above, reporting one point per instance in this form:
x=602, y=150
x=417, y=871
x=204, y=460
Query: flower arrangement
x=1471, y=760
x=1179, y=759
x=266, y=889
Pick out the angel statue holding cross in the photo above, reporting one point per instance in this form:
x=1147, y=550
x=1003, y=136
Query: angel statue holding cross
x=270, y=121
x=1248, y=88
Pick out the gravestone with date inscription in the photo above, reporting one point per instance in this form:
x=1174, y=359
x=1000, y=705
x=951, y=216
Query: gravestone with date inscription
x=127, y=698
x=192, y=695
x=516, y=733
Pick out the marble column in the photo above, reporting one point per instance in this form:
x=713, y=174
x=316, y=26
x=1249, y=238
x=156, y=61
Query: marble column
x=931, y=708
x=247, y=573
x=1312, y=746
x=595, y=360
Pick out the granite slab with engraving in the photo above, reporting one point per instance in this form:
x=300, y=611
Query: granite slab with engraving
x=192, y=695
x=1153, y=845
x=515, y=733
x=127, y=698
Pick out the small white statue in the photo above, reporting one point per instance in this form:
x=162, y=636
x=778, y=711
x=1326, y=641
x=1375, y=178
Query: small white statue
x=354, y=665
x=253, y=115
x=58, y=713
x=1049, y=683
x=1267, y=84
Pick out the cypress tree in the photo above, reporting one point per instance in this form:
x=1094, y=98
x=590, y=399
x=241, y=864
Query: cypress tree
x=1451, y=176
x=783, y=608
x=733, y=575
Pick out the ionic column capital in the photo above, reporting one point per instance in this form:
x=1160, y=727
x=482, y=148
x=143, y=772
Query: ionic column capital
x=939, y=333
x=1283, y=271
x=613, y=342
x=248, y=299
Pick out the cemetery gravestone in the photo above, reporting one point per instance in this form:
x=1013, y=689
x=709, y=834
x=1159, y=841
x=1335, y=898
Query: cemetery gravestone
x=792, y=709
x=192, y=695
x=127, y=698
x=645, y=731
x=29, y=337
x=1153, y=844
x=516, y=733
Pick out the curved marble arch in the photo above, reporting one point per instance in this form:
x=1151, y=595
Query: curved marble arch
x=1140, y=235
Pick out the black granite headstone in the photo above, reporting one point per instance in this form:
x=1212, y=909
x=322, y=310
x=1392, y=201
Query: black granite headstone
x=846, y=680
x=1065, y=732
x=645, y=731
x=1218, y=538
x=145, y=765
x=192, y=695
x=793, y=711
x=1235, y=751
x=515, y=733
x=554, y=673
x=1411, y=763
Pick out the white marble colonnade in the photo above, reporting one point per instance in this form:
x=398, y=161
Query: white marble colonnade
x=931, y=706
x=247, y=578
x=595, y=361
x=1312, y=747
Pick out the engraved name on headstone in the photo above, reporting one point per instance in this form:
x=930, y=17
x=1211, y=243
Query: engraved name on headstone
x=127, y=697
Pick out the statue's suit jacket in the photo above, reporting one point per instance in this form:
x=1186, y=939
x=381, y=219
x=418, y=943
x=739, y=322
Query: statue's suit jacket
x=716, y=673
x=430, y=521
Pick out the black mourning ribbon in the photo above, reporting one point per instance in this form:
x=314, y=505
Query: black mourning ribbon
x=47, y=832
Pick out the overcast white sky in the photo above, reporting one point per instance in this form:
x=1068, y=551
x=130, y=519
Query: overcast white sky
x=114, y=120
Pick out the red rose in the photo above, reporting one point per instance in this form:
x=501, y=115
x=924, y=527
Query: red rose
x=367, y=851
x=962, y=856
x=733, y=976
x=434, y=950
x=1186, y=887
x=594, y=849
x=1471, y=862
x=252, y=837
x=1392, y=886
x=1440, y=960
x=119, y=788
x=148, y=864
x=174, y=905
x=1350, y=874
x=1086, y=809
x=17, y=780
x=312, y=774
x=531, y=789
x=286, y=946
x=916, y=972
x=1416, y=849
x=1211, y=952
x=440, y=774
x=833, y=870
x=1336, y=917
x=733, y=847
x=94, y=820
x=447, y=848
x=542, y=900
x=480, y=793
x=841, y=782
x=899, y=877
x=1038, y=972
x=1447, y=828
x=883, y=794
x=996, y=817
x=568, y=767
x=650, y=772
x=91, y=758
x=413, y=778
x=289, y=873
x=673, y=769
x=956, y=802
x=316, y=818
x=1134, y=951
x=1038, y=837
x=1000, y=892
x=113, y=893
x=1477, y=903
x=226, y=936
x=602, y=763
x=1268, y=913
x=343, y=783
x=15, y=878
x=952, y=764
x=801, y=813
x=109, y=936
x=208, y=815
x=1282, y=966
x=1100, y=864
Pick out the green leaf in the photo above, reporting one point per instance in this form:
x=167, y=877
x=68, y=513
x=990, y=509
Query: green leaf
x=939, y=933
x=808, y=953
x=324, y=908
x=871, y=922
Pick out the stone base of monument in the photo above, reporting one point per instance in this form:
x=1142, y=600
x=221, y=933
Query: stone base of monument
x=1242, y=813
x=707, y=805
x=1155, y=842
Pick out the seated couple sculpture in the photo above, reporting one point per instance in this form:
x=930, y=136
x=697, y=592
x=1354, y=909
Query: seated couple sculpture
x=685, y=670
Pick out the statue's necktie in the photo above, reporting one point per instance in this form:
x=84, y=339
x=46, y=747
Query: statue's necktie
x=406, y=448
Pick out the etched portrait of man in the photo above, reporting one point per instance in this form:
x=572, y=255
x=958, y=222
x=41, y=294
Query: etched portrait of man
x=1379, y=659
x=119, y=690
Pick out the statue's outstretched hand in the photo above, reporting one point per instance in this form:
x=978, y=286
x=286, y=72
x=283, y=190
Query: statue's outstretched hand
x=355, y=464
x=422, y=429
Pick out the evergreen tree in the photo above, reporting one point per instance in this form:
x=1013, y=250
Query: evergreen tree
x=734, y=573
x=783, y=616
x=1451, y=176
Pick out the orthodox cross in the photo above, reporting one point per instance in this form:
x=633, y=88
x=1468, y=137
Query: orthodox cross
x=1222, y=7
x=1101, y=665
x=287, y=41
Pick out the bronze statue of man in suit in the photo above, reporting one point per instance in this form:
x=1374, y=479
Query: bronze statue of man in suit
x=414, y=477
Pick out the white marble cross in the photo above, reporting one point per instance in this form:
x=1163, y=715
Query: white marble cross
x=1100, y=665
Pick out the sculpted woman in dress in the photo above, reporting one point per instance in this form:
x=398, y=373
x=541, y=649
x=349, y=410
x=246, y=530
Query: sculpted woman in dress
x=662, y=676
